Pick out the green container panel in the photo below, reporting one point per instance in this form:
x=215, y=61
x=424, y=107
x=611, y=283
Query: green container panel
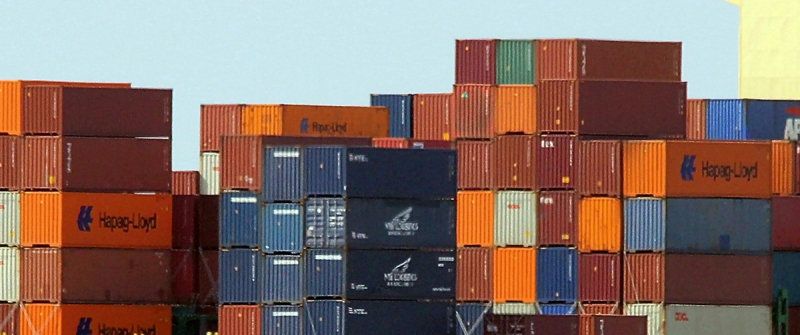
x=516, y=62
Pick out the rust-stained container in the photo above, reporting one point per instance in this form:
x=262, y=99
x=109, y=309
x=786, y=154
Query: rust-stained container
x=556, y=157
x=476, y=61
x=184, y=276
x=310, y=120
x=600, y=224
x=608, y=60
x=600, y=277
x=240, y=320
x=9, y=319
x=92, y=164
x=208, y=222
x=612, y=108
x=407, y=143
x=434, y=117
x=600, y=309
x=475, y=111
x=475, y=218
x=474, y=282
x=185, y=215
x=783, y=169
x=95, y=275
x=9, y=162
x=600, y=168
x=697, y=169
x=785, y=225
x=208, y=277
x=613, y=325
x=696, y=119
x=12, y=101
x=49, y=319
x=557, y=213
x=644, y=278
x=514, y=275
x=114, y=112
x=104, y=220
x=476, y=165
x=185, y=182
x=515, y=109
x=217, y=121
x=515, y=162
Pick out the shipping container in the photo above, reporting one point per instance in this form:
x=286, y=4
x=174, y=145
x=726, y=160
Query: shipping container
x=390, y=142
x=516, y=62
x=718, y=226
x=476, y=165
x=515, y=109
x=504, y=324
x=9, y=219
x=210, y=167
x=380, y=317
x=434, y=117
x=10, y=151
x=515, y=218
x=400, y=224
x=600, y=309
x=556, y=162
x=217, y=121
x=208, y=277
x=239, y=276
x=469, y=318
x=183, y=276
x=310, y=120
x=282, y=320
x=558, y=309
x=84, y=164
x=794, y=318
x=9, y=319
x=400, y=112
x=185, y=182
x=645, y=226
x=112, y=276
x=738, y=119
x=600, y=277
x=407, y=143
x=9, y=275
x=208, y=224
x=696, y=112
x=697, y=169
x=476, y=61
x=53, y=319
x=514, y=275
x=325, y=222
x=599, y=168
x=785, y=271
x=515, y=162
x=785, y=226
x=731, y=320
x=613, y=325
x=401, y=275
x=654, y=314
x=783, y=169
x=557, y=218
x=515, y=308
x=325, y=317
x=282, y=231
x=283, y=174
x=185, y=215
x=325, y=273
x=600, y=224
x=614, y=108
x=608, y=60
x=282, y=279
x=557, y=275
x=796, y=183
x=644, y=277
x=475, y=218
x=532, y=324
x=104, y=220
x=475, y=111
x=239, y=220
x=474, y=275
x=240, y=320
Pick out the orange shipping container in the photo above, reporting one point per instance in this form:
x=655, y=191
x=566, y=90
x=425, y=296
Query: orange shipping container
x=516, y=109
x=600, y=224
x=675, y=168
x=696, y=119
x=50, y=319
x=307, y=120
x=515, y=275
x=96, y=220
x=434, y=117
x=475, y=218
x=783, y=160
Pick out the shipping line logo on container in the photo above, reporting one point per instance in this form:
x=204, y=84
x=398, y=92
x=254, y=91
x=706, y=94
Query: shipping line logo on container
x=326, y=128
x=398, y=276
x=399, y=225
x=727, y=172
x=792, y=129
x=85, y=328
x=135, y=221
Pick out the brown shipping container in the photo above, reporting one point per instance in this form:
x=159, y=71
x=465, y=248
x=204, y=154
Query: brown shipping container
x=184, y=276
x=612, y=108
x=475, y=218
x=696, y=119
x=783, y=160
x=600, y=309
x=600, y=277
x=185, y=182
x=9, y=319
x=557, y=218
x=613, y=325
x=600, y=168
x=785, y=225
x=390, y=142
x=100, y=112
x=608, y=60
x=95, y=275
x=474, y=282
x=217, y=121
x=556, y=162
x=476, y=61
x=644, y=278
x=476, y=165
x=475, y=111
x=208, y=277
x=50, y=319
x=794, y=319
x=208, y=222
x=91, y=164
x=240, y=320
x=9, y=162
x=434, y=117
x=736, y=169
x=314, y=121
x=600, y=224
x=515, y=162
x=516, y=109
x=514, y=275
x=185, y=216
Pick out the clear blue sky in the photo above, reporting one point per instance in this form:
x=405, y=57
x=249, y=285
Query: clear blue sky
x=328, y=52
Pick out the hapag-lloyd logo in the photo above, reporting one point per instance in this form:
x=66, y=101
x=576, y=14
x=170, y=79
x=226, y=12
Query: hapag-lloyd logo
x=398, y=277
x=325, y=128
x=714, y=170
x=400, y=226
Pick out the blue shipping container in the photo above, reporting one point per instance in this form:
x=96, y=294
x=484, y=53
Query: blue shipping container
x=283, y=228
x=325, y=273
x=736, y=119
x=325, y=220
x=786, y=275
x=469, y=318
x=379, y=317
x=282, y=320
x=718, y=226
x=558, y=309
x=282, y=279
x=324, y=317
x=238, y=221
x=239, y=272
x=283, y=174
x=557, y=275
x=644, y=224
x=381, y=173
x=400, y=113
x=401, y=274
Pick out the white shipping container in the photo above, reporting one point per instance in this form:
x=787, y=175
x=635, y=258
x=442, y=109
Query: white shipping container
x=9, y=219
x=515, y=218
x=515, y=308
x=9, y=274
x=715, y=320
x=209, y=173
x=654, y=314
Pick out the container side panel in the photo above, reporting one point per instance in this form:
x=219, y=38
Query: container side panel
x=752, y=285
x=239, y=220
x=557, y=275
x=515, y=219
x=645, y=224
x=785, y=271
x=556, y=157
x=476, y=165
x=325, y=223
x=10, y=218
x=515, y=162
x=434, y=117
x=282, y=279
x=557, y=213
x=239, y=272
x=515, y=275
x=385, y=275
x=401, y=224
x=476, y=62
x=785, y=226
x=644, y=277
x=474, y=281
x=516, y=109
x=217, y=121
x=696, y=319
x=475, y=111
x=475, y=218
x=325, y=273
x=283, y=228
x=400, y=112
x=600, y=224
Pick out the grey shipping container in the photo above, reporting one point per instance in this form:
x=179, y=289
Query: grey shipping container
x=282, y=320
x=713, y=320
x=282, y=279
x=380, y=317
x=401, y=275
x=238, y=276
x=469, y=318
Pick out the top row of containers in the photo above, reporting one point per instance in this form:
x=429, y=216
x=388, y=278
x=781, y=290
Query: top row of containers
x=743, y=119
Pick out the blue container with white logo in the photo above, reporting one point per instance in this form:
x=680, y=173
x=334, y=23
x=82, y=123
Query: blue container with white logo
x=558, y=309
x=737, y=119
x=282, y=279
x=282, y=320
x=469, y=318
x=557, y=275
x=644, y=224
x=283, y=174
x=283, y=228
x=325, y=273
x=401, y=275
x=400, y=112
x=239, y=223
x=239, y=276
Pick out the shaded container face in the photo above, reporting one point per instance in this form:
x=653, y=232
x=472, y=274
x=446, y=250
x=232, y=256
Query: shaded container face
x=208, y=277
x=434, y=117
x=239, y=272
x=794, y=318
x=112, y=276
x=324, y=317
x=475, y=111
x=515, y=109
x=558, y=309
x=475, y=218
x=695, y=320
x=515, y=218
x=600, y=168
x=785, y=226
x=83, y=164
x=476, y=165
x=208, y=223
x=185, y=214
x=600, y=224
x=469, y=318
x=783, y=167
x=283, y=174
x=515, y=162
x=645, y=224
x=210, y=170
x=285, y=320
x=600, y=277
x=9, y=314
x=474, y=281
x=9, y=274
x=10, y=151
x=184, y=276
x=185, y=182
x=751, y=285
x=653, y=312
x=600, y=309
x=500, y=324
x=556, y=157
x=476, y=61
x=95, y=319
x=644, y=277
x=753, y=119
x=282, y=279
x=283, y=228
x=515, y=308
x=239, y=222
x=244, y=320
x=325, y=222
x=696, y=111
x=400, y=112
x=785, y=271
x=325, y=273
x=315, y=121
x=9, y=218
x=390, y=142
x=401, y=275
x=399, y=317
x=391, y=224
x=557, y=218
x=516, y=62
x=514, y=275
x=612, y=108
x=553, y=324
x=618, y=325
x=557, y=275
x=217, y=121
x=431, y=144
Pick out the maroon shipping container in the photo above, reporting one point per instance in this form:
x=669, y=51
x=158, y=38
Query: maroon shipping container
x=600, y=168
x=95, y=111
x=515, y=161
x=208, y=222
x=531, y=324
x=794, y=320
x=208, y=277
x=558, y=59
x=786, y=223
x=474, y=282
x=557, y=215
x=9, y=162
x=434, y=117
x=612, y=108
x=613, y=325
x=600, y=309
x=476, y=165
x=797, y=168
x=9, y=319
x=95, y=275
x=217, y=121
x=556, y=157
x=96, y=164
x=186, y=182
x=407, y=143
x=599, y=277
x=185, y=214
x=475, y=111
x=184, y=276
x=476, y=62
x=644, y=278
x=240, y=320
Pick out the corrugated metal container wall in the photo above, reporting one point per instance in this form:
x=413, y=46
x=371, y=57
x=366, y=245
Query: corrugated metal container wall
x=208, y=224
x=696, y=110
x=469, y=318
x=284, y=320
x=794, y=318
x=556, y=162
x=785, y=226
x=10, y=150
x=217, y=121
x=600, y=168
x=514, y=308
x=617, y=325
x=753, y=119
x=785, y=271
x=183, y=276
x=796, y=184
x=644, y=277
x=516, y=109
x=600, y=277
x=557, y=218
x=475, y=111
x=239, y=220
x=476, y=61
x=400, y=112
x=185, y=182
x=600, y=224
x=208, y=277
x=553, y=324
x=431, y=144
x=9, y=274
x=239, y=320
x=645, y=224
x=475, y=218
x=697, y=320
x=783, y=169
x=516, y=62
x=282, y=279
x=210, y=167
x=324, y=317
x=654, y=314
x=386, y=275
x=239, y=272
x=315, y=121
x=514, y=275
x=706, y=279
x=505, y=324
x=557, y=275
x=399, y=317
x=47, y=319
x=400, y=224
x=325, y=223
x=185, y=215
x=476, y=165
x=283, y=228
x=9, y=218
x=474, y=281
x=515, y=218
x=283, y=174
x=600, y=309
x=325, y=273
x=434, y=117
x=558, y=309
x=9, y=314
x=112, y=275
x=390, y=142
x=515, y=163
x=726, y=120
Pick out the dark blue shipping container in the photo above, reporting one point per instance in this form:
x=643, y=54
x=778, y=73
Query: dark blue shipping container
x=239, y=272
x=325, y=273
x=400, y=113
x=401, y=275
x=557, y=275
x=332, y=317
x=238, y=221
x=469, y=318
x=558, y=309
x=283, y=174
x=385, y=223
x=282, y=320
x=786, y=275
x=718, y=226
x=324, y=317
x=283, y=228
x=282, y=279
x=736, y=119
x=325, y=220
x=381, y=173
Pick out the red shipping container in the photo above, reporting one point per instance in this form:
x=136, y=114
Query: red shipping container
x=9, y=319
x=613, y=325
x=786, y=223
x=208, y=277
x=186, y=182
x=516, y=161
x=240, y=320
x=185, y=214
x=557, y=216
x=208, y=222
x=474, y=282
x=475, y=111
x=434, y=117
x=599, y=277
x=476, y=165
x=390, y=142
x=407, y=143
x=696, y=119
x=556, y=157
x=9, y=162
x=476, y=62
x=217, y=121
x=600, y=309
x=600, y=168
x=184, y=276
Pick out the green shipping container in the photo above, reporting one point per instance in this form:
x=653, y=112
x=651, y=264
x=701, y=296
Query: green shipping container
x=516, y=62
